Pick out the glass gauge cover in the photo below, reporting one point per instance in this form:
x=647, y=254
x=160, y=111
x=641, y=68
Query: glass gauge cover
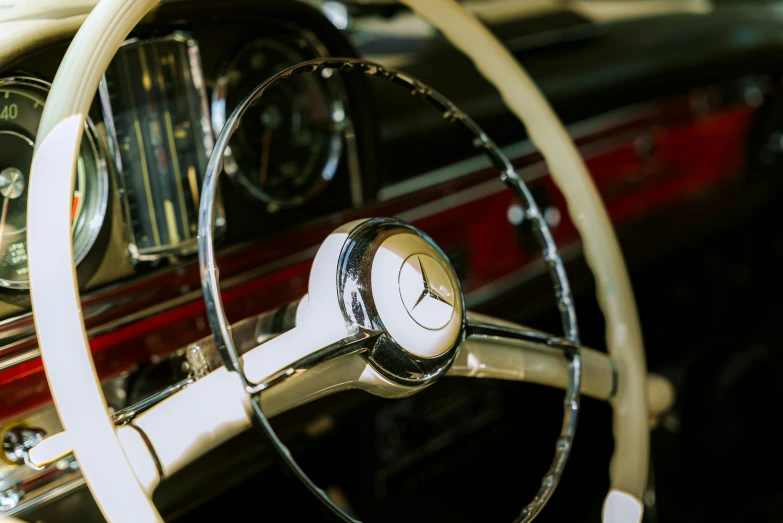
x=153, y=94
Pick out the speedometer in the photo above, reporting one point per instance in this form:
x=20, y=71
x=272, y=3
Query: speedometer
x=21, y=105
x=288, y=144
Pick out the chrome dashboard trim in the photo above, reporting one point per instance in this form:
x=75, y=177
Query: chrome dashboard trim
x=489, y=187
x=472, y=193
x=579, y=130
x=529, y=272
x=18, y=359
x=451, y=172
x=49, y=495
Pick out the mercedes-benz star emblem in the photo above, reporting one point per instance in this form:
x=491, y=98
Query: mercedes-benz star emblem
x=427, y=291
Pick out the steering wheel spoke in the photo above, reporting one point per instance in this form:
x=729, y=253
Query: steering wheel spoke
x=212, y=410
x=495, y=348
x=263, y=365
x=482, y=326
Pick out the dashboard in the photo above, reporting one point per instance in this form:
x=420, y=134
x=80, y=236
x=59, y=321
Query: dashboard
x=320, y=150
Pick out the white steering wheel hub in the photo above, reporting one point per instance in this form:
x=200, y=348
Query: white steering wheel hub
x=413, y=293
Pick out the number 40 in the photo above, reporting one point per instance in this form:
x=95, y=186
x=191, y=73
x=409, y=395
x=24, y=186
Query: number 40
x=9, y=112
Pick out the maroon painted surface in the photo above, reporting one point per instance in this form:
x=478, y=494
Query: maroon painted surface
x=690, y=153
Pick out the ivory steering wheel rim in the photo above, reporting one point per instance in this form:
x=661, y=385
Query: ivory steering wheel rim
x=55, y=297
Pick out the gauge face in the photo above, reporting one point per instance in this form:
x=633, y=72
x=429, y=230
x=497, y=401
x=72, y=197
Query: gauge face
x=287, y=146
x=162, y=134
x=21, y=106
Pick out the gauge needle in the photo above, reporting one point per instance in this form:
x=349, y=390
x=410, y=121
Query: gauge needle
x=77, y=198
x=2, y=220
x=266, y=141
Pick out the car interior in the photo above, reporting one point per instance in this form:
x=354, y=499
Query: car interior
x=254, y=255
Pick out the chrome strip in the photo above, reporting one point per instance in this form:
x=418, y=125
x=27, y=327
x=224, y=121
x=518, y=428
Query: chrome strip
x=128, y=414
x=473, y=193
x=528, y=174
x=47, y=496
x=524, y=274
x=578, y=131
x=451, y=172
x=18, y=359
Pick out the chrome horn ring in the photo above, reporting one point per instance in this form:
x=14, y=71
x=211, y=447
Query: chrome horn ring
x=367, y=329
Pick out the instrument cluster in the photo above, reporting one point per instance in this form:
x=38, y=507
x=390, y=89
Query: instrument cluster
x=145, y=150
x=287, y=149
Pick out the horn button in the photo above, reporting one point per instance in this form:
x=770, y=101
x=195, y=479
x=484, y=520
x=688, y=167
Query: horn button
x=394, y=279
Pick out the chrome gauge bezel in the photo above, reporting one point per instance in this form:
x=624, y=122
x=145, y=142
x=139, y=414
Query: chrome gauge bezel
x=337, y=102
x=82, y=243
x=86, y=230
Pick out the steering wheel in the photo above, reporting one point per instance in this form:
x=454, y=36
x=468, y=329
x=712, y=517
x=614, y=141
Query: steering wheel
x=384, y=310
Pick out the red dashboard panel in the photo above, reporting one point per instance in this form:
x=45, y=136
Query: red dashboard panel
x=661, y=155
